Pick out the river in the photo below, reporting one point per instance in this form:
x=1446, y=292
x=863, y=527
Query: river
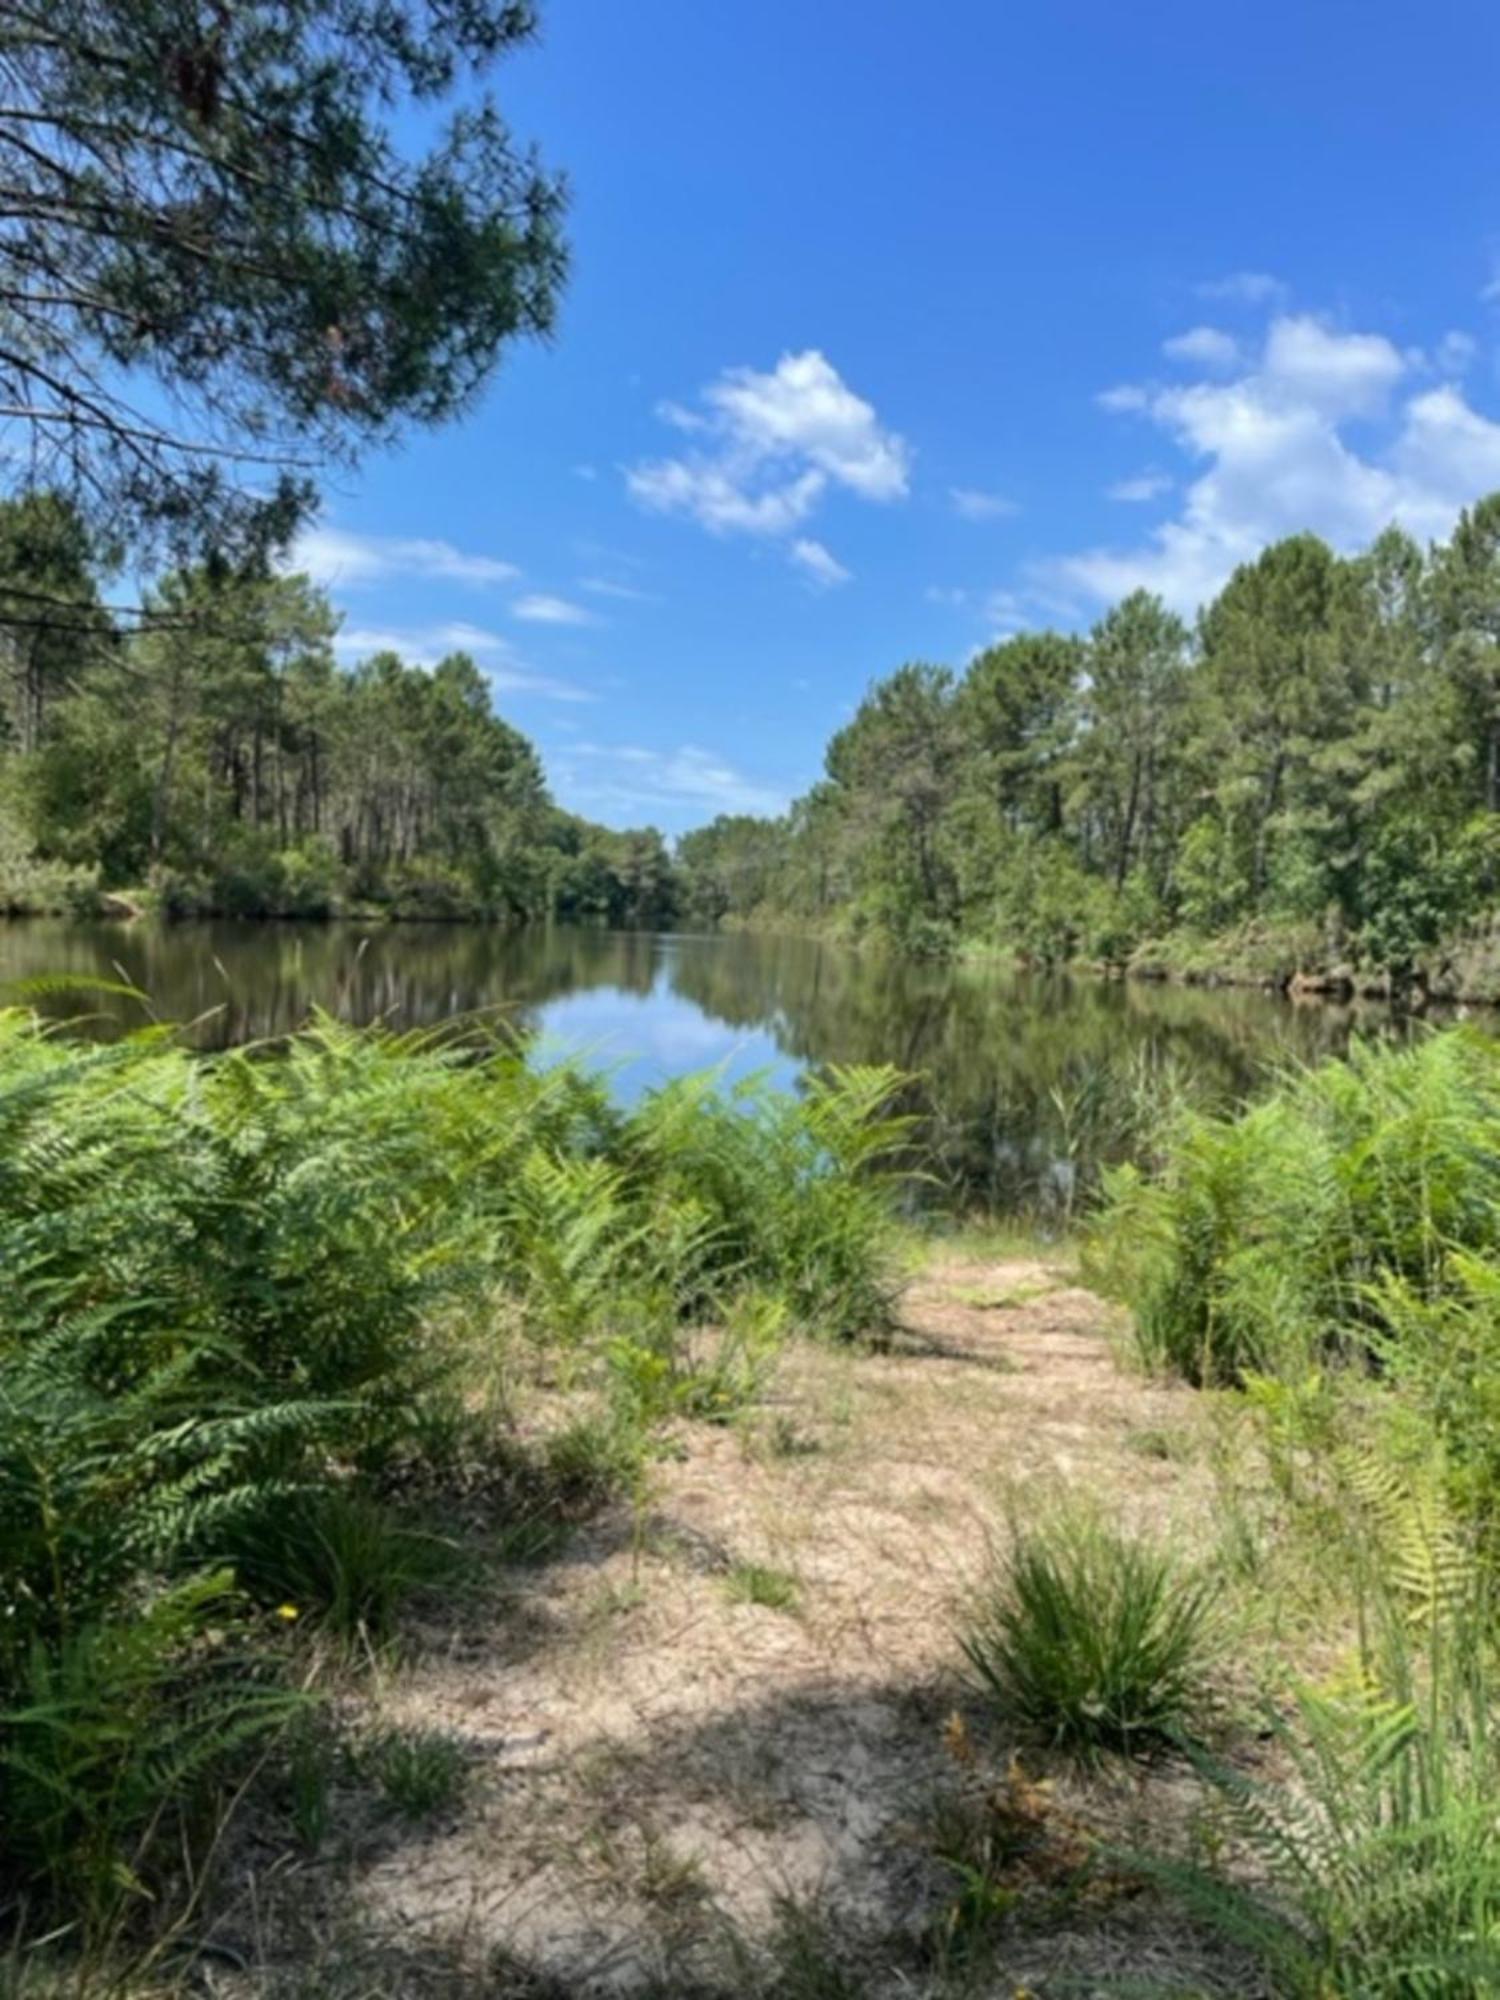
x=1025, y=1083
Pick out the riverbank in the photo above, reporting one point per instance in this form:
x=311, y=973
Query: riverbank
x=1290, y=961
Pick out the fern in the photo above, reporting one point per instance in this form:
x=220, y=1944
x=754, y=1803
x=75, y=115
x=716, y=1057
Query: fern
x=1377, y=1852
x=235, y=1288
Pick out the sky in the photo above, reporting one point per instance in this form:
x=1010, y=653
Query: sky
x=892, y=331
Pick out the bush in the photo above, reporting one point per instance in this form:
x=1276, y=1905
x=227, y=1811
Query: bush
x=33, y=887
x=791, y=1195
x=1090, y=1639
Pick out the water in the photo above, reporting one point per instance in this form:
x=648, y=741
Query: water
x=1026, y=1084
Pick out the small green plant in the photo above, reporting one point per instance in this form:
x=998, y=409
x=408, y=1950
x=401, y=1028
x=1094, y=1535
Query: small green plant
x=760, y=1583
x=114, y=1738
x=1089, y=1638
x=421, y=1772
x=313, y=1757
x=805, y=1960
x=342, y=1559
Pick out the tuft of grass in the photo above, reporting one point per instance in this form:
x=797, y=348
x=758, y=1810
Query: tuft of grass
x=805, y=1958
x=759, y=1583
x=343, y=1559
x=984, y=1298
x=1153, y=1441
x=420, y=1772
x=1090, y=1639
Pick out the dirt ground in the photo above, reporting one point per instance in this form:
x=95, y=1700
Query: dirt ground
x=716, y=1732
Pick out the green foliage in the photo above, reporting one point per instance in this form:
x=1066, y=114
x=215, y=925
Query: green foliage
x=421, y=1772
x=115, y=1731
x=1308, y=782
x=33, y=887
x=763, y=1584
x=241, y=1292
x=374, y=279
x=1375, y=1854
x=216, y=759
x=1298, y=1228
x=1090, y=1639
x=790, y=1195
x=337, y=1558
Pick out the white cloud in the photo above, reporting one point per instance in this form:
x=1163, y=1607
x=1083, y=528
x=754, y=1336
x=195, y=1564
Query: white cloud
x=1204, y=347
x=1456, y=353
x=680, y=417
x=1275, y=459
x=718, y=498
x=772, y=444
x=1339, y=374
x=337, y=556
x=604, y=586
x=1245, y=288
x=972, y=503
x=540, y=608
x=684, y=783
x=1143, y=486
x=1006, y=612
x=951, y=596
x=817, y=564
x=424, y=646
x=1124, y=399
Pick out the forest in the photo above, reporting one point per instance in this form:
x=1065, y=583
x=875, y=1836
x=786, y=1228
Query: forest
x=211, y=755
x=1303, y=781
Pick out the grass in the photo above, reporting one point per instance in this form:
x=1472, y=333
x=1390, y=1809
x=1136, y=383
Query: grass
x=1091, y=1640
x=420, y=1772
x=762, y=1584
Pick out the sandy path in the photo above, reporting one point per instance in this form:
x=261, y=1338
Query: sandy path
x=659, y=1768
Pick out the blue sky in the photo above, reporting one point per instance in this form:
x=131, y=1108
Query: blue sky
x=892, y=330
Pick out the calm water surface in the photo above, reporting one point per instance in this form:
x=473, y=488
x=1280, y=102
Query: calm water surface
x=1024, y=1082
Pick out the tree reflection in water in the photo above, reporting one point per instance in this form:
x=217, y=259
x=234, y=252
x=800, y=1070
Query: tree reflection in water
x=1023, y=1085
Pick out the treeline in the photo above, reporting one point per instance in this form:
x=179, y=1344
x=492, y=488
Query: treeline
x=1307, y=778
x=210, y=754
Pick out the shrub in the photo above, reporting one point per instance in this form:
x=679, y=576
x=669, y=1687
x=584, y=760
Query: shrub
x=1090, y=1639
x=31, y=886
x=794, y=1195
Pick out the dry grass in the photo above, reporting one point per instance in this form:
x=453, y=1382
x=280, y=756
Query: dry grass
x=665, y=1777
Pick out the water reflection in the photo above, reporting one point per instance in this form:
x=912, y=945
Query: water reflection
x=1025, y=1083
